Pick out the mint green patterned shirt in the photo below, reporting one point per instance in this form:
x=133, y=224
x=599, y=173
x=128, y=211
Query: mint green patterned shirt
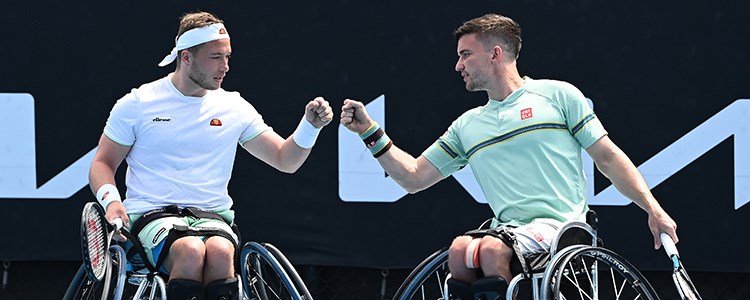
x=525, y=151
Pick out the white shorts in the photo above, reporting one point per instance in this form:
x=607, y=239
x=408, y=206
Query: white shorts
x=536, y=236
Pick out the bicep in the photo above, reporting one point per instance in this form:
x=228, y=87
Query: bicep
x=426, y=173
x=110, y=153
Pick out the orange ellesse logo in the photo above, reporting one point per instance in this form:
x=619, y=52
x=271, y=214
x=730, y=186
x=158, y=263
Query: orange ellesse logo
x=526, y=113
x=215, y=122
x=222, y=31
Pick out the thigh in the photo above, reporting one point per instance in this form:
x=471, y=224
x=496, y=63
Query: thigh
x=536, y=236
x=214, y=225
x=153, y=235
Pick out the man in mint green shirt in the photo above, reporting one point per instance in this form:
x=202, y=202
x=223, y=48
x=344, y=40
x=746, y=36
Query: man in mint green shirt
x=524, y=147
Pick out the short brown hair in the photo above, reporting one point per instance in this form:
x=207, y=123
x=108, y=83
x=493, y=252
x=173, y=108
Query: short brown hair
x=494, y=29
x=195, y=20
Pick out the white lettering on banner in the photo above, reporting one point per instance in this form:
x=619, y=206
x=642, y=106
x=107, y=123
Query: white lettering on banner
x=18, y=155
x=361, y=179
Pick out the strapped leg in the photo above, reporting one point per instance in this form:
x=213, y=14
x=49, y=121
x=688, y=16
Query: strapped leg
x=472, y=254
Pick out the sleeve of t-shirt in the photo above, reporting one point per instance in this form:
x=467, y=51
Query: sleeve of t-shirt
x=447, y=154
x=122, y=121
x=255, y=124
x=580, y=117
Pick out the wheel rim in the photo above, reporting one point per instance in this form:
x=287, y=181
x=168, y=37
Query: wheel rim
x=597, y=273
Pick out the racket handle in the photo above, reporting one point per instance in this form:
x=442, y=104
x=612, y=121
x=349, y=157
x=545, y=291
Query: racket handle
x=117, y=223
x=668, y=244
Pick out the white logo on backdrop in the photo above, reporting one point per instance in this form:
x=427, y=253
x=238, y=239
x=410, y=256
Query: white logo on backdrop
x=361, y=179
x=18, y=155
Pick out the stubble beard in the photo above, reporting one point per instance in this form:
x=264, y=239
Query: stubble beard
x=201, y=79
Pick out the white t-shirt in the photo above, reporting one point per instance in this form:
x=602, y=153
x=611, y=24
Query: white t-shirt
x=182, y=148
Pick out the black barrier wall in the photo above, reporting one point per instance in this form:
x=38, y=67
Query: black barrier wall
x=654, y=71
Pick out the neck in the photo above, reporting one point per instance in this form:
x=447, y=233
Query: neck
x=185, y=85
x=508, y=82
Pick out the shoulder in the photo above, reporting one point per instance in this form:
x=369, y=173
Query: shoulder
x=550, y=87
x=469, y=115
x=149, y=90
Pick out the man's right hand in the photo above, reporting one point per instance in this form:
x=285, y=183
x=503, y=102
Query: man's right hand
x=117, y=210
x=354, y=116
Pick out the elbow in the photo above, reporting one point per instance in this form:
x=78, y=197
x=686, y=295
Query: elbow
x=290, y=169
x=412, y=187
x=414, y=191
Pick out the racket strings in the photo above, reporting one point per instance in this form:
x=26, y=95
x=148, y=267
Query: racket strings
x=96, y=242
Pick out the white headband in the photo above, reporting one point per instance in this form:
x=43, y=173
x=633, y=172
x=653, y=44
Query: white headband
x=195, y=36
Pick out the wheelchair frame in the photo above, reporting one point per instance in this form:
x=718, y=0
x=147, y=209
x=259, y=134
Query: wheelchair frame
x=574, y=271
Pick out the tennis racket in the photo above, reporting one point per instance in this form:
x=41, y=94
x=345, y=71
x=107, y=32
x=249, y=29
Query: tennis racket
x=680, y=277
x=96, y=234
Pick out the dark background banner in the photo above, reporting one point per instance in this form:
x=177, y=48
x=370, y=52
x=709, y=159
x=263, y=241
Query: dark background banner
x=655, y=71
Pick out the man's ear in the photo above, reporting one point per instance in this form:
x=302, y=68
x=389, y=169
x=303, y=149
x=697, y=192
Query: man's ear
x=497, y=53
x=185, y=56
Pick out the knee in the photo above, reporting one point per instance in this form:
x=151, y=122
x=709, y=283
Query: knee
x=459, y=244
x=457, y=249
x=188, y=248
x=494, y=247
x=219, y=248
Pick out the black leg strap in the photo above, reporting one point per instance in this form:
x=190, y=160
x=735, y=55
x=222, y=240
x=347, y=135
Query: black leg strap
x=459, y=290
x=223, y=289
x=489, y=288
x=183, y=289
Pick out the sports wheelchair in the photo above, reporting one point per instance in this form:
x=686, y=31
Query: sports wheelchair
x=575, y=268
x=264, y=273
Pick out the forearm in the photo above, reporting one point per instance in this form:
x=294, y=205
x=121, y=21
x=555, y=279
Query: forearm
x=291, y=156
x=100, y=173
x=629, y=181
x=401, y=167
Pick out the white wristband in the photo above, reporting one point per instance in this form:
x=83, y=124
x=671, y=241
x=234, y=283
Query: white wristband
x=107, y=194
x=305, y=134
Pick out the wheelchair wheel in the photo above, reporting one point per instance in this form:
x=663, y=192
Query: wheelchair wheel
x=595, y=273
x=83, y=288
x=268, y=275
x=427, y=279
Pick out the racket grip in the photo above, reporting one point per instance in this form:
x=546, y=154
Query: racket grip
x=668, y=244
x=117, y=223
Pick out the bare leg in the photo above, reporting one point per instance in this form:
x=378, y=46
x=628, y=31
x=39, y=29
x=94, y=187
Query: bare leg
x=495, y=258
x=219, y=259
x=456, y=263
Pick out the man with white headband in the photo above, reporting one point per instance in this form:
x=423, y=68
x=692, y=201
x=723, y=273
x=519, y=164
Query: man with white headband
x=178, y=135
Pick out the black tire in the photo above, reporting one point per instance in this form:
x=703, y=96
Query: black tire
x=427, y=278
x=615, y=277
x=268, y=275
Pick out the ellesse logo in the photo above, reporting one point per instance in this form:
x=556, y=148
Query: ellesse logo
x=222, y=31
x=215, y=122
